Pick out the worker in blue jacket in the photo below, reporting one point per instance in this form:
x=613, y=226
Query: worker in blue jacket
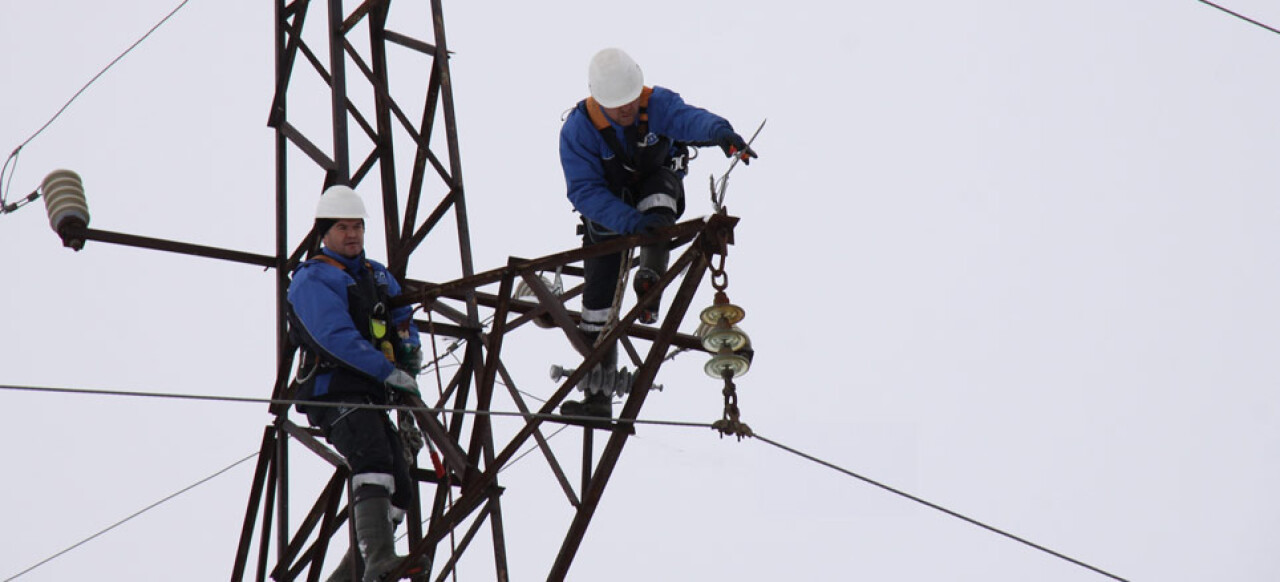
x=623, y=151
x=356, y=348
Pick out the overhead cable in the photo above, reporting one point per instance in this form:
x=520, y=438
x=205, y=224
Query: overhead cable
x=432, y=410
x=939, y=508
x=1240, y=16
x=135, y=514
x=13, y=157
x=320, y=403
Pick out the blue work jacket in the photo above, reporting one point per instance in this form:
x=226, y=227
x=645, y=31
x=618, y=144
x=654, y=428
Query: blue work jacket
x=583, y=151
x=319, y=299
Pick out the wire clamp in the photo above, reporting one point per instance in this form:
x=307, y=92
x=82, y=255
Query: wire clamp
x=729, y=424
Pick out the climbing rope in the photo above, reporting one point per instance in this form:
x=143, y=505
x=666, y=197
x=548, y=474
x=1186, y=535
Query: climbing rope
x=624, y=273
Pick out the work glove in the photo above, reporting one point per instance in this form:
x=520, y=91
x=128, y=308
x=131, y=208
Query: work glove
x=734, y=145
x=409, y=434
x=402, y=381
x=410, y=359
x=650, y=222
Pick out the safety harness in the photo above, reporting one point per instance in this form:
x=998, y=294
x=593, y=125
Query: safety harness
x=367, y=302
x=625, y=171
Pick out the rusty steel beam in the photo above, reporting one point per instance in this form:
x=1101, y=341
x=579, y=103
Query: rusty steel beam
x=268, y=512
x=284, y=354
x=422, y=155
x=475, y=487
x=530, y=309
x=338, y=91
x=308, y=147
x=484, y=388
x=543, y=444
x=305, y=437
x=630, y=411
x=131, y=240
x=288, y=38
x=382, y=95
x=255, y=498
x=331, y=490
x=411, y=43
x=471, y=282
x=558, y=314
x=452, y=563
x=471, y=456
x=434, y=218
x=314, y=555
x=540, y=311
x=359, y=13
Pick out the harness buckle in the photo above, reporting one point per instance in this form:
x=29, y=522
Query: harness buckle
x=680, y=163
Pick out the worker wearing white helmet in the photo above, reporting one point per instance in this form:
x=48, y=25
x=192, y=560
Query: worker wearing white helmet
x=356, y=348
x=623, y=151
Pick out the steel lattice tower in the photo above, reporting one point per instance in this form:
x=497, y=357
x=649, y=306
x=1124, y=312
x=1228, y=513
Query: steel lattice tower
x=353, y=53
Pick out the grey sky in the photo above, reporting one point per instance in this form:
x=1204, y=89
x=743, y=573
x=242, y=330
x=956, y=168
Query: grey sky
x=1015, y=258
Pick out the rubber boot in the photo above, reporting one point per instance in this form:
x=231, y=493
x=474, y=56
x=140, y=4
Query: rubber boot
x=376, y=538
x=344, y=572
x=597, y=404
x=653, y=263
x=597, y=385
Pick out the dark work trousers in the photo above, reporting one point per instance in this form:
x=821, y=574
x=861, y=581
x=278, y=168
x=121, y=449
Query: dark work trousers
x=601, y=277
x=366, y=438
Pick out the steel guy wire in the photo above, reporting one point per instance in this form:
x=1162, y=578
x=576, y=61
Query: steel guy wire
x=779, y=445
x=320, y=403
x=1240, y=16
x=16, y=151
x=174, y=495
x=135, y=514
x=937, y=507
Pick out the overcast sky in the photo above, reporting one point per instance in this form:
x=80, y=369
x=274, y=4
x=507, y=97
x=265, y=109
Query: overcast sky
x=1016, y=258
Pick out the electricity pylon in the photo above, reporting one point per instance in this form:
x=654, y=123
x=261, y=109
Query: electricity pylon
x=463, y=495
x=348, y=52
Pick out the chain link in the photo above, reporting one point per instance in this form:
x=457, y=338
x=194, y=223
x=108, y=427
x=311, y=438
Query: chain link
x=719, y=278
x=729, y=423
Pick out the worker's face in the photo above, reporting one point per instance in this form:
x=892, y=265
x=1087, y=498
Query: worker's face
x=346, y=237
x=625, y=115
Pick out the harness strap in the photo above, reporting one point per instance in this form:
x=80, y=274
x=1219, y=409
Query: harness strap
x=336, y=263
x=601, y=122
x=385, y=344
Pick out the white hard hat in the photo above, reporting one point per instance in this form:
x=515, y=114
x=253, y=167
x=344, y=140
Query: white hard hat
x=340, y=202
x=613, y=78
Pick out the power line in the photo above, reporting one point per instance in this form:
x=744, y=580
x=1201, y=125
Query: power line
x=432, y=410
x=939, y=508
x=1240, y=16
x=135, y=514
x=192, y=486
x=13, y=157
x=321, y=403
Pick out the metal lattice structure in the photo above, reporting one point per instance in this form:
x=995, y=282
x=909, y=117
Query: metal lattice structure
x=464, y=495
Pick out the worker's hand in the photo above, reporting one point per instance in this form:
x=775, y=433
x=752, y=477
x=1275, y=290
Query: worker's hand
x=652, y=221
x=402, y=381
x=410, y=359
x=734, y=145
